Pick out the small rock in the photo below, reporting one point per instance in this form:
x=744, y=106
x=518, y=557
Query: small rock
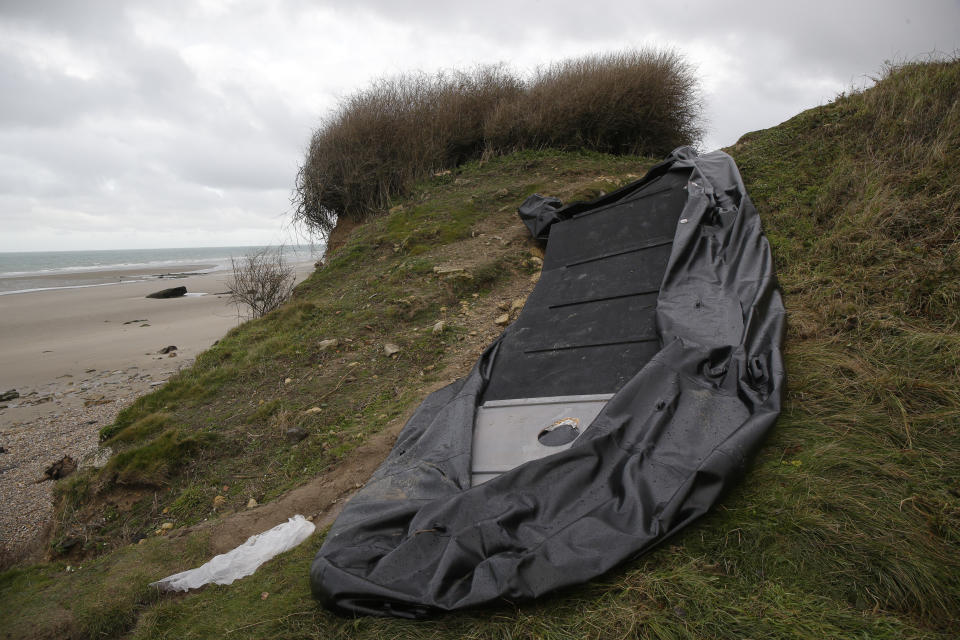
x=174, y=292
x=537, y=260
x=295, y=434
x=313, y=410
x=447, y=269
x=264, y=595
x=517, y=305
x=287, y=380
x=439, y=327
x=166, y=526
x=501, y=193
x=332, y=343
x=219, y=501
x=390, y=349
x=167, y=350
x=12, y=394
x=136, y=321
x=502, y=319
x=535, y=278
x=173, y=354
x=2, y=450
x=251, y=503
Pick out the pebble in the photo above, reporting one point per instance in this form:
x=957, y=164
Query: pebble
x=295, y=434
x=391, y=349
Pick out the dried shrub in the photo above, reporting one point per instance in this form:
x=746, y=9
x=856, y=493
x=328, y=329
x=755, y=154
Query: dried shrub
x=261, y=281
x=638, y=102
x=379, y=141
x=383, y=138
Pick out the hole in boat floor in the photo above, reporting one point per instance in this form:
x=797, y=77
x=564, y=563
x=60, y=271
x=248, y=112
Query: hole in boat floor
x=561, y=432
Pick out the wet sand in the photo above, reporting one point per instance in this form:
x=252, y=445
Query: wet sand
x=95, y=277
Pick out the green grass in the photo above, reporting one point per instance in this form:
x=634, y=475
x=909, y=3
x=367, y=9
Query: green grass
x=94, y=598
x=846, y=525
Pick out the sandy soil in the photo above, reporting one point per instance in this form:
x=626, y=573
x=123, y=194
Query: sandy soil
x=77, y=357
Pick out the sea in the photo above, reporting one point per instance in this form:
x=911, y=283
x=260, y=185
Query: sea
x=26, y=271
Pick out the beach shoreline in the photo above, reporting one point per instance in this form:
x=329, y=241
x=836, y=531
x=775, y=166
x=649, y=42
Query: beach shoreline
x=76, y=357
x=87, y=278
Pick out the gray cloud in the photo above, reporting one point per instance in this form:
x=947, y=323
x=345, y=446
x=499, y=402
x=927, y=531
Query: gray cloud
x=123, y=120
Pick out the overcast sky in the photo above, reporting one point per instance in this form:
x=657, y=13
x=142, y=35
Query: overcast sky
x=169, y=124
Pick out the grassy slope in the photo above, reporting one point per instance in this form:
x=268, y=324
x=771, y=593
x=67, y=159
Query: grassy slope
x=848, y=524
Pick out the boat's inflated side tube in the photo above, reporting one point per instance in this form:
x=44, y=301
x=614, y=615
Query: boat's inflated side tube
x=418, y=538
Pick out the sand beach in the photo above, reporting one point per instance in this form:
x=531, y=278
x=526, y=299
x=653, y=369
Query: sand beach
x=76, y=357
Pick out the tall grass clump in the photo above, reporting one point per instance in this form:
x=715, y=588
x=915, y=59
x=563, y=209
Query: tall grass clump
x=382, y=139
x=859, y=202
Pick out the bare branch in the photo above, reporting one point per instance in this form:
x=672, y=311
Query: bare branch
x=261, y=281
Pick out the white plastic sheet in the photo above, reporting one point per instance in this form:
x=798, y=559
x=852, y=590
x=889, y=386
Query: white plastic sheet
x=244, y=560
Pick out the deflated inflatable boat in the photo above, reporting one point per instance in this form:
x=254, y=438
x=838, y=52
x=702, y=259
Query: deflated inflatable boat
x=642, y=374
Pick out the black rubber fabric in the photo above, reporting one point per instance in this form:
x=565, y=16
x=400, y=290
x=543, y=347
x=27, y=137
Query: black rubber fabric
x=698, y=378
x=589, y=326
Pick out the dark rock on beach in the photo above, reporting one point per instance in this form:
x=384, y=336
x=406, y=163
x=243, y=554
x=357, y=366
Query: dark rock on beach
x=59, y=469
x=167, y=350
x=173, y=292
x=12, y=394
